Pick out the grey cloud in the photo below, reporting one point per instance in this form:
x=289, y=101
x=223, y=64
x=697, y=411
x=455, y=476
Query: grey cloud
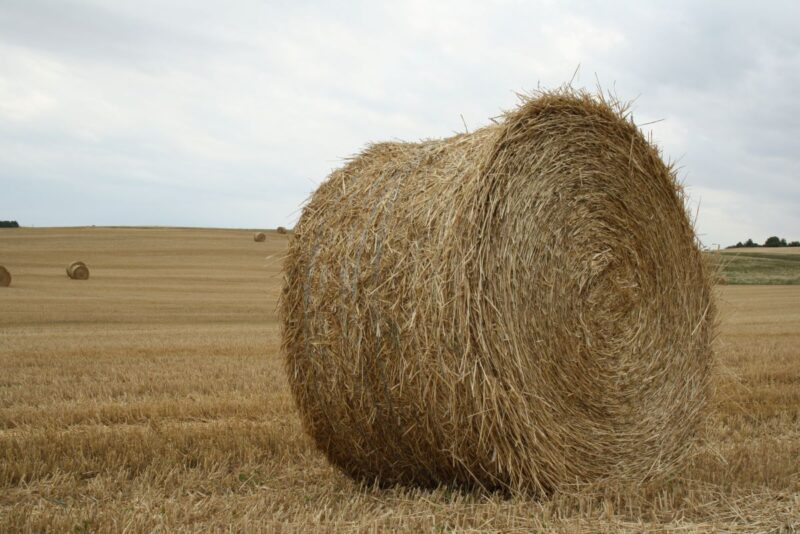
x=109, y=32
x=137, y=104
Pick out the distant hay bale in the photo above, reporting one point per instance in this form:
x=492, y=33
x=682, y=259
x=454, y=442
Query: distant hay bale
x=259, y=237
x=5, y=277
x=522, y=307
x=75, y=264
x=77, y=270
x=281, y=230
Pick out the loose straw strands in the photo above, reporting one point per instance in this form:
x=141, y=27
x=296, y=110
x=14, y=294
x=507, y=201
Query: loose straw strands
x=522, y=307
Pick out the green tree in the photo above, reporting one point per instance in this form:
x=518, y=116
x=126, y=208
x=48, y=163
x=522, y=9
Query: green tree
x=773, y=241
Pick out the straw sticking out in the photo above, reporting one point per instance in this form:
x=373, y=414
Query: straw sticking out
x=521, y=307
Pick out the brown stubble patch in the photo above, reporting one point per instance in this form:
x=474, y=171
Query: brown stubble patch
x=163, y=405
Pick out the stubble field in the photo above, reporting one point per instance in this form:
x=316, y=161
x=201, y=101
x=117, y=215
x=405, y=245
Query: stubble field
x=153, y=397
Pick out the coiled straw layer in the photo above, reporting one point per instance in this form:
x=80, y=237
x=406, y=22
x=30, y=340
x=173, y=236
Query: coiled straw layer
x=522, y=307
x=77, y=270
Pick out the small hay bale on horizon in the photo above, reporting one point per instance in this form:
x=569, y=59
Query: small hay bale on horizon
x=281, y=230
x=5, y=277
x=259, y=237
x=77, y=270
x=523, y=307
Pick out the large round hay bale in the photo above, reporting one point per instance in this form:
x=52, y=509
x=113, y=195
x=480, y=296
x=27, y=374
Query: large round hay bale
x=5, y=277
x=259, y=237
x=77, y=270
x=521, y=307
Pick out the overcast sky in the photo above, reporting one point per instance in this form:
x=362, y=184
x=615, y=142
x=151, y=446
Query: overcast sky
x=229, y=114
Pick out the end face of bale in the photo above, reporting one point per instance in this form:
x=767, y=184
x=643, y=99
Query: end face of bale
x=5, y=277
x=78, y=270
x=259, y=237
x=523, y=307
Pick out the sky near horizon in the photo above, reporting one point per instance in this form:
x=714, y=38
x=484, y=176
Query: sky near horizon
x=200, y=113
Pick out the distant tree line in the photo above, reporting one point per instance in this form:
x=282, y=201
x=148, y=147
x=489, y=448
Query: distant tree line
x=773, y=241
x=9, y=224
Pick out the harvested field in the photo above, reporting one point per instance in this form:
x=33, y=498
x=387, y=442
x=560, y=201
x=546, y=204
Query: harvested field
x=153, y=396
x=761, y=250
x=765, y=266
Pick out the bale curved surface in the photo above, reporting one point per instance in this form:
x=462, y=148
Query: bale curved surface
x=522, y=307
x=5, y=277
x=74, y=264
x=259, y=237
x=77, y=270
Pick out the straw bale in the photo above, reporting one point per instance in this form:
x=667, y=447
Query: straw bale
x=522, y=307
x=259, y=237
x=5, y=277
x=77, y=270
x=281, y=230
